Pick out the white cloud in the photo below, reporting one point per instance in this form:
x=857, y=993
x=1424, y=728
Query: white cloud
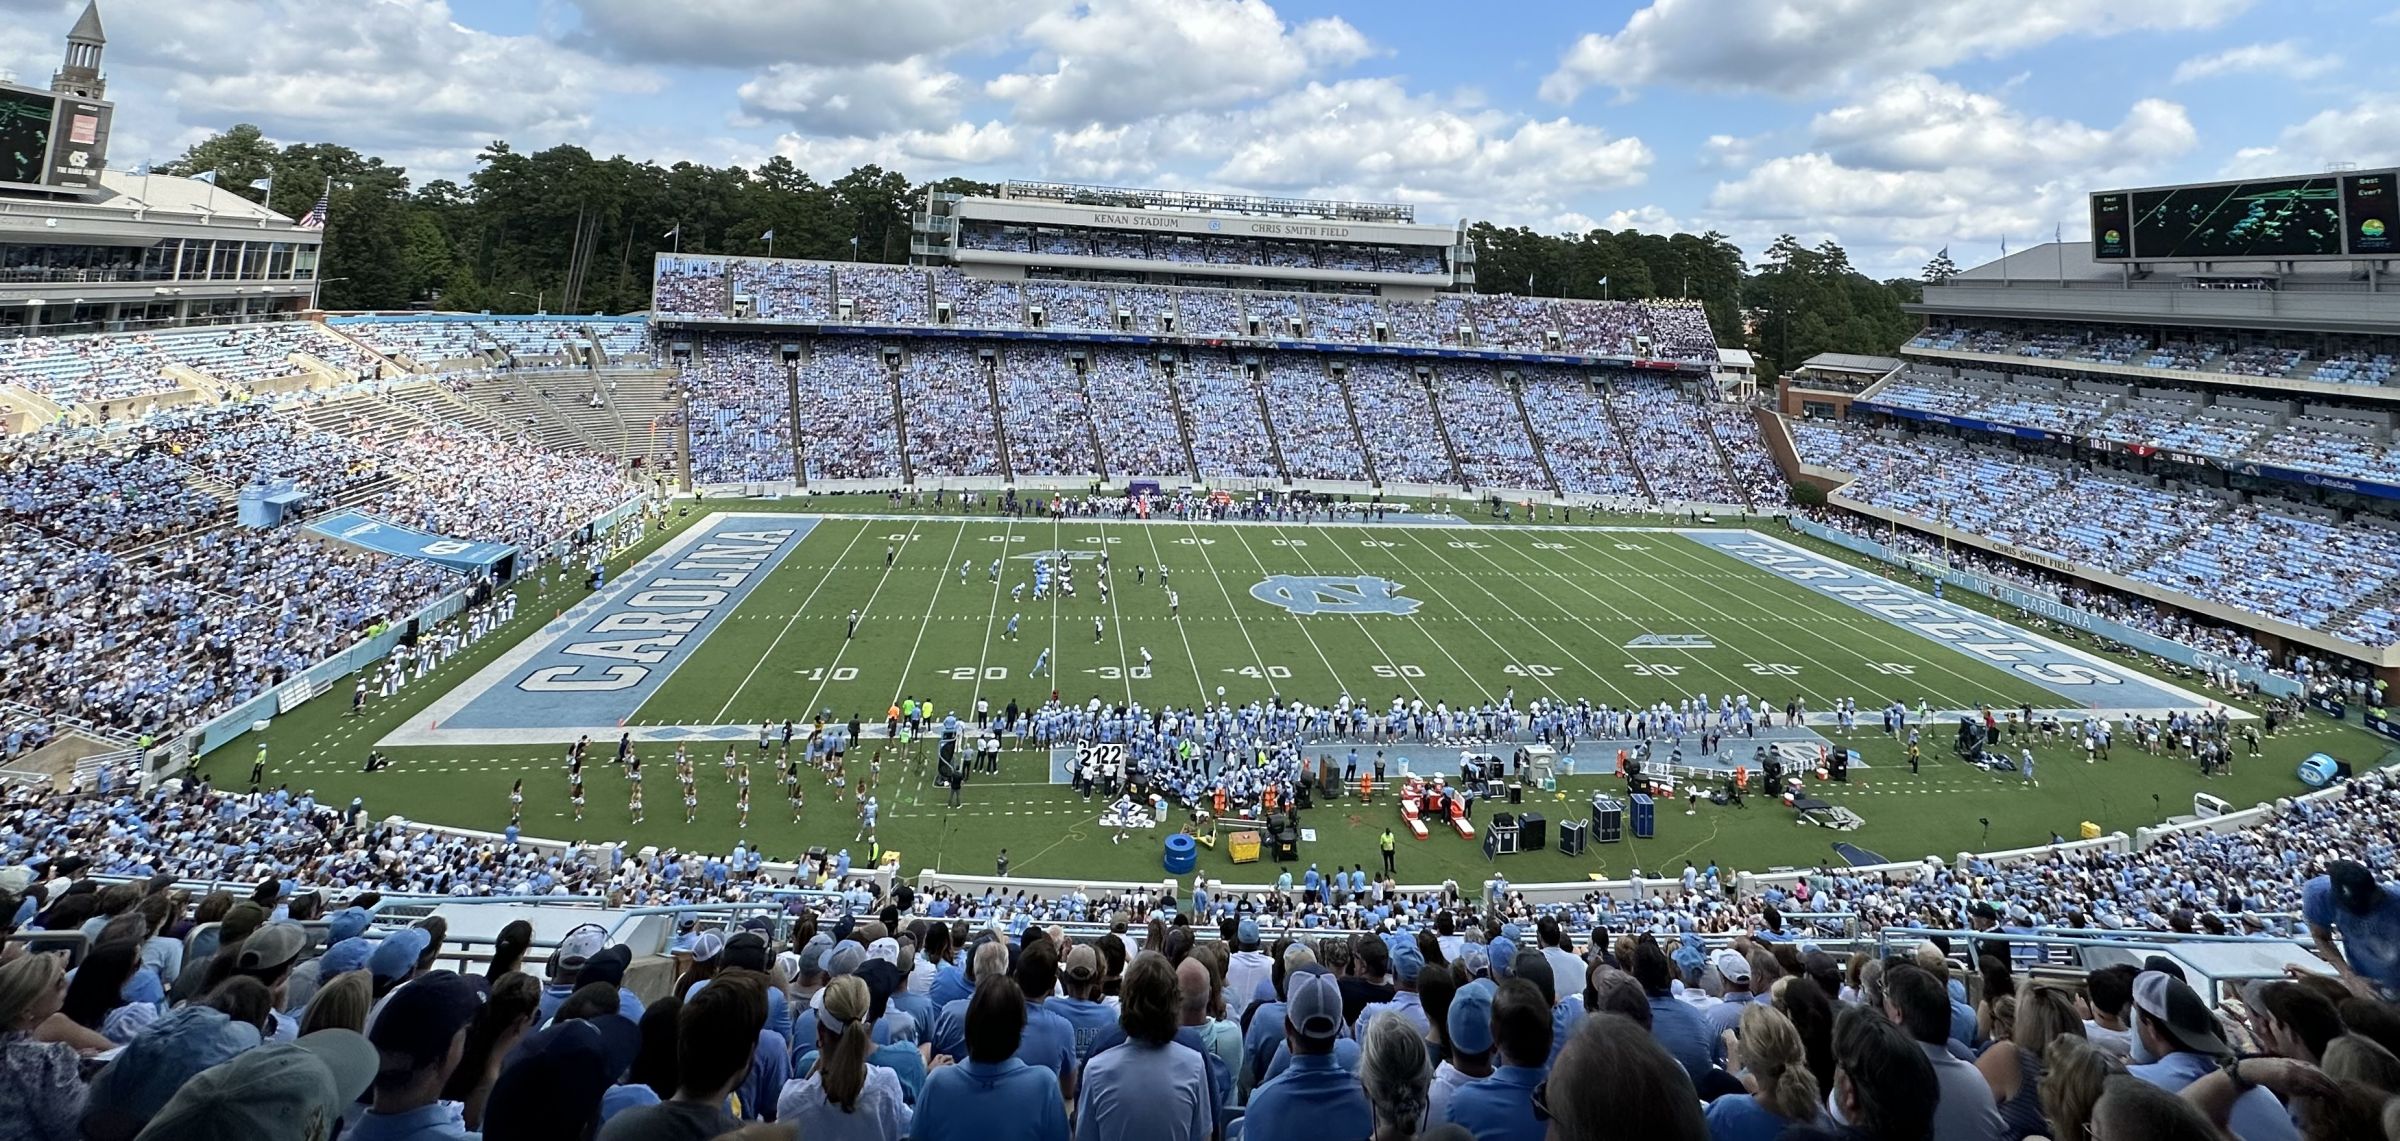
x=2285, y=59
x=870, y=99
x=1919, y=163
x=920, y=154
x=756, y=33
x=1118, y=61
x=1649, y=219
x=1791, y=47
x=1368, y=139
x=400, y=78
x=2366, y=133
x=1917, y=122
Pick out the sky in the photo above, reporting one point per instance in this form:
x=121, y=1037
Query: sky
x=1896, y=127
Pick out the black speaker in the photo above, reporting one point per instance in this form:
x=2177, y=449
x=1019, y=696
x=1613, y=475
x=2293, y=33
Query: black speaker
x=1573, y=836
x=1533, y=833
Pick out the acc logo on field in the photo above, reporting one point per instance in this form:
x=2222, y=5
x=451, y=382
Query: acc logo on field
x=1316, y=594
x=1671, y=642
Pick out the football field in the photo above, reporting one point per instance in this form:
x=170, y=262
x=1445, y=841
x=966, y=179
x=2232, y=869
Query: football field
x=742, y=616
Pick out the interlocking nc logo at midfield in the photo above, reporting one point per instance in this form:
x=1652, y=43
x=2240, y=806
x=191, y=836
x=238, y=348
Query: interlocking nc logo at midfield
x=1323, y=594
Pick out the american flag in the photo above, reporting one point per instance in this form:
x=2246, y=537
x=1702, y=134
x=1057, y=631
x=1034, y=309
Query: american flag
x=315, y=218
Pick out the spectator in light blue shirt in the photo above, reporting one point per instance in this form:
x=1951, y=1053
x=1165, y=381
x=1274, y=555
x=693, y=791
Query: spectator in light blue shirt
x=993, y=1095
x=1149, y=1087
x=1677, y=1025
x=2346, y=899
x=1500, y=1107
x=1315, y=1097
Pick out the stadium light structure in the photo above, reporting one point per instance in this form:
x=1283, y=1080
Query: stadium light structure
x=538, y=297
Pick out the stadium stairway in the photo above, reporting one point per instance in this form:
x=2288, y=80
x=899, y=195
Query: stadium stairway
x=1616, y=426
x=1091, y=424
x=1358, y=435
x=908, y=467
x=1441, y=428
x=1258, y=392
x=989, y=369
x=2387, y=598
x=1516, y=396
x=641, y=401
x=1733, y=475
x=1183, y=419
x=539, y=403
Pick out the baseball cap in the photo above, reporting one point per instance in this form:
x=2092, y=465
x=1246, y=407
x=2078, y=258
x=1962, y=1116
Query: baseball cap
x=419, y=1019
x=747, y=950
x=845, y=959
x=585, y=941
x=887, y=949
x=1470, y=1018
x=608, y=966
x=344, y=956
x=397, y=954
x=552, y=1082
x=1475, y=960
x=293, y=1090
x=1503, y=953
x=1314, y=1008
x=1407, y=961
x=1732, y=967
x=2178, y=1008
x=1247, y=934
x=2353, y=885
x=812, y=954
x=271, y=946
x=348, y=923
x=164, y=1056
x=708, y=945
x=1082, y=965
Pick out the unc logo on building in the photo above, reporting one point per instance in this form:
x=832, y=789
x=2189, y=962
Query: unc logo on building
x=1322, y=594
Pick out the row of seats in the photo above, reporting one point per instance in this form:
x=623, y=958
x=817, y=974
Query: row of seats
x=2266, y=559
x=817, y=292
x=1330, y=418
x=2367, y=361
x=2339, y=446
x=84, y=369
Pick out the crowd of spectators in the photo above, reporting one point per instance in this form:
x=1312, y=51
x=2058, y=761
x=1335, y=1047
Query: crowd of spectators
x=739, y=400
x=2362, y=360
x=1395, y=419
x=1577, y=436
x=1487, y=430
x=2275, y=561
x=947, y=389
x=979, y=303
x=682, y=286
x=1681, y=1007
x=846, y=412
x=1049, y=421
x=1673, y=439
x=1310, y=421
x=885, y=294
x=1070, y=305
x=779, y=290
x=1229, y=436
x=1139, y=435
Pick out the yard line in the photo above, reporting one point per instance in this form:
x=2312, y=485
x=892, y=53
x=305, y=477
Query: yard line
x=1180, y=632
x=1297, y=620
x=1699, y=659
x=1117, y=620
x=999, y=583
x=1505, y=651
x=1872, y=629
x=1388, y=660
x=787, y=623
x=941, y=575
x=865, y=609
x=1255, y=658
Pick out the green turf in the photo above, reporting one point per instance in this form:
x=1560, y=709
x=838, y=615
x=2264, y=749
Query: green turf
x=1539, y=612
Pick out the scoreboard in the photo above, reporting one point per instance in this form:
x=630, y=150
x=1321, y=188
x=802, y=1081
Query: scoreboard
x=50, y=141
x=2309, y=216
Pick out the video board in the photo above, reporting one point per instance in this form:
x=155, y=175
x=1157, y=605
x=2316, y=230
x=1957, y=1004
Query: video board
x=2308, y=216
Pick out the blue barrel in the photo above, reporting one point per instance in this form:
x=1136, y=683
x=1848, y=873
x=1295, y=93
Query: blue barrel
x=1183, y=853
x=2318, y=770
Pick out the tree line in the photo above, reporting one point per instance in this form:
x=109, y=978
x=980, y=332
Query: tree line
x=563, y=230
